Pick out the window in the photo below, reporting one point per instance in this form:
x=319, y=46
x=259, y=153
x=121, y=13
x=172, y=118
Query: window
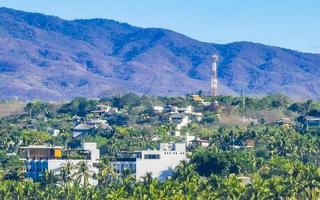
x=151, y=156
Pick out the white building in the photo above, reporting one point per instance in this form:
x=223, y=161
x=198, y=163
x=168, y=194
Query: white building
x=96, y=122
x=158, y=109
x=186, y=110
x=53, y=132
x=39, y=159
x=160, y=163
x=191, y=140
x=181, y=121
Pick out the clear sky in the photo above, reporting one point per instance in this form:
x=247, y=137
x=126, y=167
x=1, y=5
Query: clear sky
x=293, y=24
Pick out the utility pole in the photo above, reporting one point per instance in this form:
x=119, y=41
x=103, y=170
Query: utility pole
x=243, y=108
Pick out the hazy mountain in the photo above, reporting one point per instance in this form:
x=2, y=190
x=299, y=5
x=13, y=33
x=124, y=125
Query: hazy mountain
x=50, y=58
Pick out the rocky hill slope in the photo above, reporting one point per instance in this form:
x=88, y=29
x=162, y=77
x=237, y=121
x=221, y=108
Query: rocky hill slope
x=49, y=58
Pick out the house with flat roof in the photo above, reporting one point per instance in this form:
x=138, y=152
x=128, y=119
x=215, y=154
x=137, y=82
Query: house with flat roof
x=194, y=140
x=160, y=163
x=158, y=109
x=312, y=123
x=181, y=120
x=284, y=122
x=41, y=158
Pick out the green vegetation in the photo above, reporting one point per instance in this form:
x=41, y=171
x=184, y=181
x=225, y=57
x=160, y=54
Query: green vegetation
x=282, y=163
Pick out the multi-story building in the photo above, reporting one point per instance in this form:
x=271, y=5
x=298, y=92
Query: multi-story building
x=160, y=163
x=312, y=123
x=39, y=159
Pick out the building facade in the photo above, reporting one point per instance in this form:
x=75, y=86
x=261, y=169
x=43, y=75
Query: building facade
x=39, y=159
x=312, y=123
x=160, y=163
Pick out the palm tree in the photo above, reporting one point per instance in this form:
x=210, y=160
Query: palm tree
x=67, y=172
x=113, y=146
x=128, y=180
x=50, y=178
x=83, y=173
x=37, y=107
x=184, y=171
x=106, y=171
x=147, y=179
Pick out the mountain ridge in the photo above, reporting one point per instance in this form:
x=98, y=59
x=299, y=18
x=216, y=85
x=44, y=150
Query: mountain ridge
x=49, y=58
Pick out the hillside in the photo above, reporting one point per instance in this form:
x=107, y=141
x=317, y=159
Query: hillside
x=50, y=58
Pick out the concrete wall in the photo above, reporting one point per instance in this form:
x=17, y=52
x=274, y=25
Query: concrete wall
x=160, y=168
x=55, y=165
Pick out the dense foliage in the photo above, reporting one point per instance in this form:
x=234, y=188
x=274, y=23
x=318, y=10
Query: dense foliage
x=283, y=163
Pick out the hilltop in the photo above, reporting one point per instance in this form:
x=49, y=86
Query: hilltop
x=49, y=58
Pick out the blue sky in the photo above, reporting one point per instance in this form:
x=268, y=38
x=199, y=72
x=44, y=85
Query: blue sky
x=293, y=24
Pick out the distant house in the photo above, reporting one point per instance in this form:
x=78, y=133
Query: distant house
x=99, y=112
x=170, y=109
x=184, y=122
x=82, y=129
x=284, y=122
x=101, y=109
x=158, y=109
x=105, y=127
x=96, y=122
x=189, y=139
x=187, y=109
x=102, y=106
x=193, y=140
x=312, y=123
x=177, y=118
x=197, y=115
x=201, y=142
x=54, y=132
x=113, y=110
x=31, y=124
x=76, y=118
x=197, y=98
x=181, y=120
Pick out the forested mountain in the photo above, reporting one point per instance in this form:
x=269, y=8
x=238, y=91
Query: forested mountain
x=50, y=58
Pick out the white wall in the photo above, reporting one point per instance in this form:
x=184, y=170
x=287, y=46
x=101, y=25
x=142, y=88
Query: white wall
x=54, y=165
x=160, y=168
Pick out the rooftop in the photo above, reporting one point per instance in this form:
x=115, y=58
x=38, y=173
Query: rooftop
x=83, y=126
x=312, y=118
x=41, y=147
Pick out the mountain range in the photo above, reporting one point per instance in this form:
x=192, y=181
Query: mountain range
x=46, y=57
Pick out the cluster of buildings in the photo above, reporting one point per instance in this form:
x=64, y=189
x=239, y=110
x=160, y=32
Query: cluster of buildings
x=159, y=162
x=310, y=123
x=180, y=116
x=83, y=127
